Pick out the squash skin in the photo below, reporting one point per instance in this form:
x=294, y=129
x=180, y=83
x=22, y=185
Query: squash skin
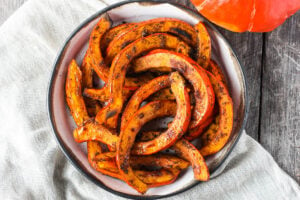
x=196, y=75
x=187, y=151
x=97, y=60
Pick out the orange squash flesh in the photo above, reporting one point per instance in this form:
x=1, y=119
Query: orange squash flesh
x=204, y=45
x=73, y=94
x=91, y=130
x=148, y=135
x=214, y=139
x=218, y=74
x=216, y=71
x=190, y=134
x=203, y=91
x=87, y=71
x=159, y=25
x=187, y=151
x=179, y=125
x=156, y=160
x=163, y=94
x=160, y=160
x=119, y=67
x=93, y=148
x=141, y=94
x=127, y=137
x=103, y=94
x=111, y=34
x=87, y=82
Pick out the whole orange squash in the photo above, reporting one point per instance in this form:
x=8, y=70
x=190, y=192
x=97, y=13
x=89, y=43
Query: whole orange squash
x=247, y=15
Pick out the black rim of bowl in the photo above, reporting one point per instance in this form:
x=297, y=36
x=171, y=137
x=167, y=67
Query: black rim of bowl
x=66, y=151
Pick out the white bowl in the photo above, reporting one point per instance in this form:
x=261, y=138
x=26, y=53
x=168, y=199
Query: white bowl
x=75, y=47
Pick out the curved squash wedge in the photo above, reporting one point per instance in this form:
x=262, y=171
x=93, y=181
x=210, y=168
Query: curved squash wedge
x=179, y=124
x=204, y=45
x=203, y=91
x=111, y=34
x=97, y=33
x=141, y=94
x=218, y=133
x=87, y=82
x=198, y=130
x=93, y=131
x=187, y=151
x=73, y=94
x=216, y=71
x=103, y=94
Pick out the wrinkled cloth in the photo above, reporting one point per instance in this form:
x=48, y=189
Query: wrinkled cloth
x=32, y=166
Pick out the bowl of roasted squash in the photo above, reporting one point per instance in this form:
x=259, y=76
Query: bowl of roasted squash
x=147, y=99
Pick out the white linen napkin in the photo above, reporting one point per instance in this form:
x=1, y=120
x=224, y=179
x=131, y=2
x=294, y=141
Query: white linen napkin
x=33, y=167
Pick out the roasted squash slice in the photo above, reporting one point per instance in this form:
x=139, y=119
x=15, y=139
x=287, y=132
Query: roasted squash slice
x=91, y=130
x=187, y=151
x=203, y=91
x=218, y=133
x=204, y=45
x=74, y=94
x=179, y=124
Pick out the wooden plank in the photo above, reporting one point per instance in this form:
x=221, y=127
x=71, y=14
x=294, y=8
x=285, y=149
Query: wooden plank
x=7, y=7
x=280, y=110
x=248, y=47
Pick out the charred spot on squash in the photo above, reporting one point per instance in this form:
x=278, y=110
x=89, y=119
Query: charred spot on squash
x=182, y=32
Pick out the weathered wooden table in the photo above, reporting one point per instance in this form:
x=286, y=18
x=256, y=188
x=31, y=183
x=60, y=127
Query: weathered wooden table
x=272, y=67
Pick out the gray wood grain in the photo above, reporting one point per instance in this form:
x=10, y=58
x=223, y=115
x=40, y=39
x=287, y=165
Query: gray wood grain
x=280, y=113
x=7, y=7
x=248, y=47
